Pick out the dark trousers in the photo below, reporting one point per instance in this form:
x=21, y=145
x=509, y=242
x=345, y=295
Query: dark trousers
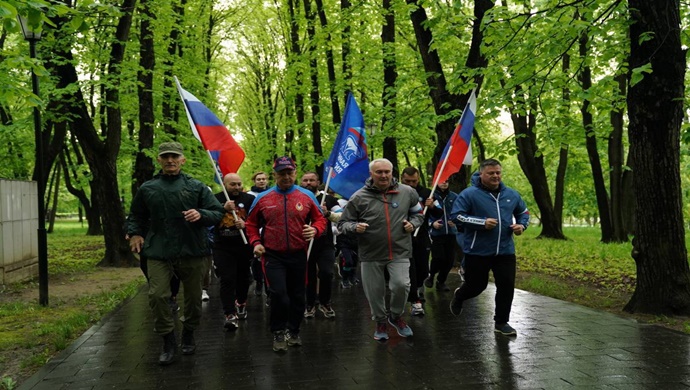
x=442, y=257
x=232, y=267
x=477, y=278
x=257, y=272
x=324, y=259
x=419, y=266
x=285, y=277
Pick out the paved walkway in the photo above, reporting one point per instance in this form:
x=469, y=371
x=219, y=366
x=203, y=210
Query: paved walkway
x=559, y=346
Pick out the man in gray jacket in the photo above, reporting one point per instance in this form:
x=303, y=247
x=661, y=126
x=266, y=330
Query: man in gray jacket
x=381, y=215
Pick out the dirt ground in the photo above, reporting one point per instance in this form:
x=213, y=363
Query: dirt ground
x=66, y=288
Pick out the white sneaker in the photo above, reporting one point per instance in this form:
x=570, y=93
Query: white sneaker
x=204, y=296
x=417, y=309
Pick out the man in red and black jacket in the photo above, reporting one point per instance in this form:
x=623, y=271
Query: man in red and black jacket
x=288, y=216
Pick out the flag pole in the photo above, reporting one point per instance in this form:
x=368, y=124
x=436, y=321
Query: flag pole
x=323, y=201
x=213, y=164
x=443, y=166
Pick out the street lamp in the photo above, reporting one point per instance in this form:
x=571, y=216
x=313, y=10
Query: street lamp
x=34, y=36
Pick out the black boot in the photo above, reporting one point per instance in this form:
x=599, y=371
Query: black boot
x=188, y=344
x=169, y=349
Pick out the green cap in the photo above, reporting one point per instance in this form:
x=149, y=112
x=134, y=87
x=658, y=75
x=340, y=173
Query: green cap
x=170, y=147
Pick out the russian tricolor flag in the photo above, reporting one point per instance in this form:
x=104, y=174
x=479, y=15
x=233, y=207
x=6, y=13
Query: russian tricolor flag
x=458, y=150
x=213, y=134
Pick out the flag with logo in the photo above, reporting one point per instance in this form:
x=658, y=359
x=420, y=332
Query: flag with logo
x=458, y=150
x=348, y=163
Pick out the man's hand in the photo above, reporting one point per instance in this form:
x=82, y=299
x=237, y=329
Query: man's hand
x=437, y=224
x=517, y=229
x=308, y=232
x=191, y=215
x=135, y=243
x=361, y=227
x=490, y=223
x=408, y=226
x=239, y=223
x=429, y=202
x=259, y=251
x=229, y=206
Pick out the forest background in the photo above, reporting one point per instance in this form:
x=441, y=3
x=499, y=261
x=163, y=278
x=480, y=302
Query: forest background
x=594, y=93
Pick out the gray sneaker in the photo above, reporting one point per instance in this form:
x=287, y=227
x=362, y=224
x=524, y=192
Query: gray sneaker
x=293, y=340
x=279, y=342
x=505, y=329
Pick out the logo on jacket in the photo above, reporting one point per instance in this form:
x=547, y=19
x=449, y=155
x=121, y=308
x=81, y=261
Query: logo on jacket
x=299, y=206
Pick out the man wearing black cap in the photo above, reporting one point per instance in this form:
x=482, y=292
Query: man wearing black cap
x=289, y=217
x=173, y=211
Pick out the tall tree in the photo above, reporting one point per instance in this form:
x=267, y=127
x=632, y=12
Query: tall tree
x=655, y=110
x=102, y=150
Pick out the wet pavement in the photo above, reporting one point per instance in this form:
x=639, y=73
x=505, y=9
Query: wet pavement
x=559, y=346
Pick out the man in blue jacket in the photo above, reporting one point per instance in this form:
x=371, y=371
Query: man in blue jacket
x=490, y=215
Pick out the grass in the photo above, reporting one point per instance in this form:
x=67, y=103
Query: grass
x=31, y=334
x=584, y=271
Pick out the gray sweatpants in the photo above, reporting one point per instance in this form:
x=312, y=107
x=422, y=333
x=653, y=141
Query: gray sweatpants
x=374, y=284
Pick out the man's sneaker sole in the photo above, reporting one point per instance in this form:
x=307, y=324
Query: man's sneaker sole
x=513, y=333
x=454, y=311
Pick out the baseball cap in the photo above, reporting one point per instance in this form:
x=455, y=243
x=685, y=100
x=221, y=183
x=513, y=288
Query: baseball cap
x=170, y=147
x=282, y=163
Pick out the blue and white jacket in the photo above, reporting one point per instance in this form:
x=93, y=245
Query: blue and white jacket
x=440, y=211
x=475, y=204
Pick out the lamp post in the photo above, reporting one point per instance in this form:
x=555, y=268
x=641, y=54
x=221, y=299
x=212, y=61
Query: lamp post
x=34, y=36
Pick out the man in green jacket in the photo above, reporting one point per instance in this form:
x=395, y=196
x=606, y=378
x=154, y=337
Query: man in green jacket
x=173, y=211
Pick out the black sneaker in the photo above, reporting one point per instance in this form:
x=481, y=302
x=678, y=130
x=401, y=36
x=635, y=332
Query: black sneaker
x=230, y=322
x=505, y=329
x=258, y=288
x=456, y=304
x=279, y=342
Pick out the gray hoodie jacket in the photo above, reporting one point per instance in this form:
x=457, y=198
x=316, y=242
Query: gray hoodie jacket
x=385, y=239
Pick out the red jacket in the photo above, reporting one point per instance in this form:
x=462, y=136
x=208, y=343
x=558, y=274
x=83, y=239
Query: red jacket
x=282, y=215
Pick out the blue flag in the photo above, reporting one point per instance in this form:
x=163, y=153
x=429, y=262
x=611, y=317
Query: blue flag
x=348, y=164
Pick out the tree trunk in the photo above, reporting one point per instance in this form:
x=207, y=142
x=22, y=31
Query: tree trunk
x=616, y=168
x=314, y=92
x=655, y=109
x=443, y=100
x=293, y=57
x=585, y=79
x=532, y=164
x=390, y=76
x=143, y=164
x=53, y=210
x=101, y=150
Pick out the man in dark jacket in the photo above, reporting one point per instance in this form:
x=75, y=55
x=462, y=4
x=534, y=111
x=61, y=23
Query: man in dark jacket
x=176, y=209
x=443, y=232
x=490, y=214
x=322, y=252
x=421, y=245
x=231, y=254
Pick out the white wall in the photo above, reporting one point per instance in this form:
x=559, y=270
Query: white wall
x=18, y=236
